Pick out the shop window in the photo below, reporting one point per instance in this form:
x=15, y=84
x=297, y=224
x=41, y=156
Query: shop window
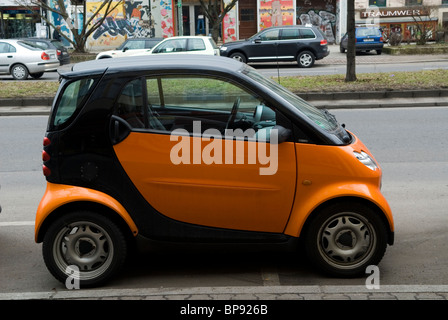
x=378, y=3
x=414, y=2
x=247, y=14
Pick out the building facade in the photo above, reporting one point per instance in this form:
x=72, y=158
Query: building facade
x=166, y=18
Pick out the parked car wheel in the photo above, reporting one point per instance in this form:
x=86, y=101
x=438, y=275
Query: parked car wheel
x=341, y=49
x=305, y=59
x=19, y=72
x=37, y=75
x=238, y=56
x=346, y=238
x=379, y=51
x=87, y=240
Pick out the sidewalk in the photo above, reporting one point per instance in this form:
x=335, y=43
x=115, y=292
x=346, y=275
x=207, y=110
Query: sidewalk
x=387, y=292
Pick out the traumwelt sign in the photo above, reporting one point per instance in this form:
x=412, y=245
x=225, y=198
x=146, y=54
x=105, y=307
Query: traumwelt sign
x=392, y=13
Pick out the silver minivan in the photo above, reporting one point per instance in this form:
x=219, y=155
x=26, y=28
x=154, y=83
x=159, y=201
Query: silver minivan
x=21, y=59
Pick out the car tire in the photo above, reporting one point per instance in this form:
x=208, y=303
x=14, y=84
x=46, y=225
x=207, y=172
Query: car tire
x=238, y=56
x=379, y=51
x=345, y=238
x=341, y=49
x=37, y=75
x=85, y=247
x=305, y=59
x=19, y=72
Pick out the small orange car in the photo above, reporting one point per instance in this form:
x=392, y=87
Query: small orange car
x=200, y=149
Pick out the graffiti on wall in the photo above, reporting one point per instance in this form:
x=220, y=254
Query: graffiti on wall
x=319, y=13
x=166, y=16
x=276, y=13
x=229, y=25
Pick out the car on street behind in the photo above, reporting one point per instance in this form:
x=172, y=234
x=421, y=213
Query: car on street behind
x=130, y=47
x=301, y=43
x=61, y=50
x=21, y=58
x=367, y=38
x=186, y=45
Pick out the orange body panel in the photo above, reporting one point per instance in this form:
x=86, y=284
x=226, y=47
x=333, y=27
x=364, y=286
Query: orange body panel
x=329, y=172
x=57, y=195
x=232, y=196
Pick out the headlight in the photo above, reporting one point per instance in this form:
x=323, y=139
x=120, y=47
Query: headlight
x=365, y=159
x=223, y=48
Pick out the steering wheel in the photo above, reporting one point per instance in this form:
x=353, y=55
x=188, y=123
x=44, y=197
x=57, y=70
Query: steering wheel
x=233, y=113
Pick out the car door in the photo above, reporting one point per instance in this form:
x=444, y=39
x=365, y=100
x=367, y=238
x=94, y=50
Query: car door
x=7, y=54
x=183, y=164
x=289, y=43
x=264, y=46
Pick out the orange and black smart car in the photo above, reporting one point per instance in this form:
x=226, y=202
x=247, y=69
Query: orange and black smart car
x=200, y=149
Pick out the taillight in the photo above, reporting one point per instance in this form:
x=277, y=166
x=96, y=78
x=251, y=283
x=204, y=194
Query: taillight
x=323, y=42
x=46, y=157
x=46, y=171
x=45, y=56
x=381, y=39
x=46, y=142
x=58, y=52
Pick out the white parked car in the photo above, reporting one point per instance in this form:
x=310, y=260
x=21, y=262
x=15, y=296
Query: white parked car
x=20, y=59
x=186, y=45
x=130, y=47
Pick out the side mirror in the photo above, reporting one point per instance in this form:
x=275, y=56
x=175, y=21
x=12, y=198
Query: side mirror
x=125, y=49
x=257, y=40
x=283, y=134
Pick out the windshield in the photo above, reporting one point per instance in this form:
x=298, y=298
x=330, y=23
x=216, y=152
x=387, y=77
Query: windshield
x=321, y=117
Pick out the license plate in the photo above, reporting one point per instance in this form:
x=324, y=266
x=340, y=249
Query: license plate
x=365, y=40
x=52, y=56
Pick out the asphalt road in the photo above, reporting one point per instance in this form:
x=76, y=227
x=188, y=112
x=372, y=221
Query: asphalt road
x=410, y=145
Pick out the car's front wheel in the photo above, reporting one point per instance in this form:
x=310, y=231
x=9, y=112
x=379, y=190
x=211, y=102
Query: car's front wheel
x=305, y=59
x=84, y=247
x=238, y=56
x=19, y=72
x=345, y=238
x=37, y=75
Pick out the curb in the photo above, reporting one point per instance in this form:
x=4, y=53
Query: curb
x=311, y=292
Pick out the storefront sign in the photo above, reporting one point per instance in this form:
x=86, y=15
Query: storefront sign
x=393, y=13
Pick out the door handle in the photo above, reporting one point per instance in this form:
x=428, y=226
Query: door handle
x=10, y=56
x=119, y=129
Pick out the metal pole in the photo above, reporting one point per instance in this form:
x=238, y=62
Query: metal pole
x=180, y=20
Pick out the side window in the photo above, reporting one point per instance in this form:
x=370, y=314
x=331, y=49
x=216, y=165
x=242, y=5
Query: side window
x=196, y=45
x=135, y=44
x=290, y=34
x=173, y=45
x=6, y=48
x=270, y=35
x=130, y=104
x=307, y=34
x=72, y=99
x=196, y=104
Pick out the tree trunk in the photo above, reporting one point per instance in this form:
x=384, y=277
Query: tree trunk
x=351, y=50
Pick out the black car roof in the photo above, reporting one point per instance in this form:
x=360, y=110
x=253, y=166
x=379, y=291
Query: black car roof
x=157, y=62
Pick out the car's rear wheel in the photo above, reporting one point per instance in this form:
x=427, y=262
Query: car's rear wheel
x=37, y=75
x=345, y=238
x=19, y=72
x=305, y=59
x=238, y=56
x=85, y=247
x=379, y=51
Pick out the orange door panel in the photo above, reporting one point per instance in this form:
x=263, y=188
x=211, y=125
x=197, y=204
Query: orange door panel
x=226, y=195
